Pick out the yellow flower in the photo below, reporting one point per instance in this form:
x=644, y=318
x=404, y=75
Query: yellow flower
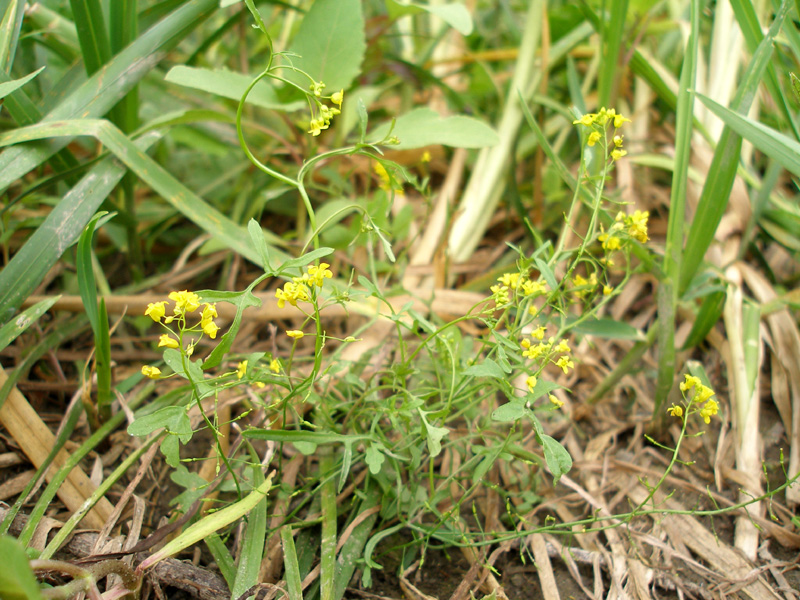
x=563, y=346
x=536, y=351
x=607, y=290
x=292, y=293
x=426, y=157
x=702, y=393
x=587, y=120
x=241, y=369
x=530, y=288
x=184, y=302
x=156, y=310
x=337, y=98
x=500, y=294
x=318, y=274
x=210, y=329
x=275, y=365
x=555, y=401
x=295, y=334
x=610, y=242
x=618, y=141
x=675, y=410
x=637, y=225
x=689, y=382
x=616, y=153
x=709, y=410
x=209, y=312
x=565, y=364
x=531, y=383
x=538, y=333
x=168, y=341
x=151, y=372
x=509, y=279
x=619, y=120
x=594, y=137
x=316, y=126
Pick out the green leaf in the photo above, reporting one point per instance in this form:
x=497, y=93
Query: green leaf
x=330, y=43
x=556, y=456
x=241, y=300
x=433, y=434
x=374, y=459
x=172, y=418
x=454, y=14
x=512, y=411
x=9, y=86
x=229, y=84
x=18, y=325
x=543, y=387
x=488, y=368
x=62, y=226
x=303, y=261
x=259, y=243
x=17, y=581
x=708, y=316
x=609, y=328
x=293, y=436
x=424, y=127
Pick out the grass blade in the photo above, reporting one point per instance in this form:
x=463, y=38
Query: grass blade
x=252, y=547
x=722, y=172
x=668, y=289
x=291, y=566
x=11, y=330
x=613, y=30
x=92, y=36
x=60, y=229
x=106, y=87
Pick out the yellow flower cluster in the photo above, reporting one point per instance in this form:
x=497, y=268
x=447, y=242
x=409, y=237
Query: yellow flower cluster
x=517, y=283
x=545, y=351
x=326, y=113
x=299, y=288
x=387, y=183
x=624, y=228
x=583, y=286
x=599, y=122
x=702, y=395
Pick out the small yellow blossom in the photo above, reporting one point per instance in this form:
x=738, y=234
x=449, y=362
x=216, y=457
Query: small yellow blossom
x=168, y=341
x=500, y=294
x=531, y=383
x=702, y=393
x=509, y=279
x=259, y=384
x=616, y=153
x=241, y=369
x=618, y=141
x=689, y=382
x=337, y=98
x=709, y=410
x=594, y=137
x=533, y=288
x=607, y=290
x=151, y=372
x=209, y=312
x=316, y=88
x=426, y=157
x=295, y=334
x=292, y=293
x=538, y=333
x=210, y=329
x=563, y=346
x=316, y=126
x=675, y=410
x=565, y=364
x=609, y=242
x=637, y=225
x=318, y=274
x=619, y=120
x=275, y=365
x=555, y=401
x=586, y=120
x=185, y=302
x=156, y=310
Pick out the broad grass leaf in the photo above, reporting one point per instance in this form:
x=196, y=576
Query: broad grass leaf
x=424, y=127
x=12, y=329
x=229, y=84
x=330, y=44
x=454, y=14
x=609, y=328
x=10, y=86
x=17, y=581
x=556, y=456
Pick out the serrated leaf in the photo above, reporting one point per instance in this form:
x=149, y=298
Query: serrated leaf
x=556, y=456
x=229, y=84
x=454, y=14
x=330, y=44
x=488, y=368
x=512, y=411
x=424, y=127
